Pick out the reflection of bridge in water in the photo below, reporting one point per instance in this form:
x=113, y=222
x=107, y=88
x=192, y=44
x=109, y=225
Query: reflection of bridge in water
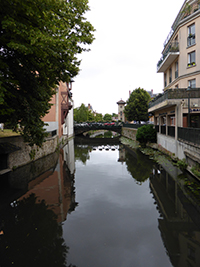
x=102, y=143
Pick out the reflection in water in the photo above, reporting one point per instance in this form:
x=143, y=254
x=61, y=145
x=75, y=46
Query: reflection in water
x=138, y=165
x=116, y=214
x=180, y=219
x=31, y=235
x=33, y=210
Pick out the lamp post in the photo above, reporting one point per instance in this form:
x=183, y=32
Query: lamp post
x=188, y=89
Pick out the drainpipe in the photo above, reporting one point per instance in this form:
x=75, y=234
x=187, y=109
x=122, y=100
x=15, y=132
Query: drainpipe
x=57, y=110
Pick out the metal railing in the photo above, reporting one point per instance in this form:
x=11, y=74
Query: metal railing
x=133, y=126
x=171, y=130
x=163, y=129
x=172, y=48
x=157, y=128
x=177, y=93
x=189, y=134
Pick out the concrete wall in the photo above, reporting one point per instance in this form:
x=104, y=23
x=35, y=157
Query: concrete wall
x=181, y=149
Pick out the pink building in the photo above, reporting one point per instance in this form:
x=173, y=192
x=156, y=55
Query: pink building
x=60, y=116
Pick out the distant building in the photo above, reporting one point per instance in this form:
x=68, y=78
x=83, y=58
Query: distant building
x=121, y=105
x=90, y=108
x=152, y=95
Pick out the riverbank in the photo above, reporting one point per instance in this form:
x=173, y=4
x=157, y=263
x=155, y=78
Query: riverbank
x=158, y=154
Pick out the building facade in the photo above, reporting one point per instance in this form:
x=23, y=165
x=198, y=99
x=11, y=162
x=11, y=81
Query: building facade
x=180, y=61
x=178, y=107
x=60, y=117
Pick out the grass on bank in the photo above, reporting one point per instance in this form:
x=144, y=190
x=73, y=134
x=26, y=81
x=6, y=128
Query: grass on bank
x=7, y=133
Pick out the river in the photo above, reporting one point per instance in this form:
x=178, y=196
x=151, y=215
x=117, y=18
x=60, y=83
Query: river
x=102, y=205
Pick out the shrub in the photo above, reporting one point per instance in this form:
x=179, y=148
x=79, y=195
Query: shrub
x=146, y=134
x=182, y=164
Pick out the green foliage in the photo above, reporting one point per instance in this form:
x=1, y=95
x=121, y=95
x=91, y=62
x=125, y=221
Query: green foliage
x=145, y=134
x=40, y=41
x=196, y=170
x=193, y=187
x=107, y=117
x=82, y=114
x=136, y=108
x=32, y=154
x=98, y=117
x=181, y=164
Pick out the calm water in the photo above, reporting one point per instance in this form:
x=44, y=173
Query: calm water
x=98, y=206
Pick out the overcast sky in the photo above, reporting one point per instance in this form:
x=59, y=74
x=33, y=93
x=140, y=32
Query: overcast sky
x=128, y=43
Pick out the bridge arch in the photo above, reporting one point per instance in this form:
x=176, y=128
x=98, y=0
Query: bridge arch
x=78, y=129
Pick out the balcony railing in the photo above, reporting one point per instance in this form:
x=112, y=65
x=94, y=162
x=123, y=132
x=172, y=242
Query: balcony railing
x=172, y=48
x=179, y=93
x=171, y=131
x=189, y=134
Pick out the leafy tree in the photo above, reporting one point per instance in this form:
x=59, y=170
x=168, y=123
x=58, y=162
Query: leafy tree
x=90, y=116
x=39, y=44
x=98, y=117
x=107, y=117
x=81, y=113
x=137, y=105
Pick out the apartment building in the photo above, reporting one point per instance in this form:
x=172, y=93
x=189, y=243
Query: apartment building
x=178, y=107
x=180, y=61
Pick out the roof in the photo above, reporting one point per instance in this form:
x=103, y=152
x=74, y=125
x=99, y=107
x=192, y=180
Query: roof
x=121, y=102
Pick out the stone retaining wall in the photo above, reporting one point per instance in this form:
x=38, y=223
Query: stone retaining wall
x=129, y=133
x=26, y=154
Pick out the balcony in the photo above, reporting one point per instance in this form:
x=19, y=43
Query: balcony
x=66, y=105
x=170, y=96
x=170, y=54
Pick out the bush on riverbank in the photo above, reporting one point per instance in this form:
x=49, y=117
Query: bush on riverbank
x=145, y=134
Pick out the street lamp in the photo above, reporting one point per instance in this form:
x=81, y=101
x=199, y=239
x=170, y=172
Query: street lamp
x=188, y=89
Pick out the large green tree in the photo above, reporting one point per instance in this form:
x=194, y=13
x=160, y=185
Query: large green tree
x=136, y=108
x=39, y=44
x=81, y=113
x=107, y=117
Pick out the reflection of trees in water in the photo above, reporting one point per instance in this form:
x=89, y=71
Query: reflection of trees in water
x=31, y=235
x=138, y=165
x=82, y=153
x=108, y=134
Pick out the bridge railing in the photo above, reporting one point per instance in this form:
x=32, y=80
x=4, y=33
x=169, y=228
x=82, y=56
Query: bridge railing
x=132, y=125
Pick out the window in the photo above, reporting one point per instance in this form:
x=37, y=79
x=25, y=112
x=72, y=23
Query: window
x=170, y=75
x=191, y=59
x=176, y=69
x=165, y=79
x=191, y=35
x=192, y=83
